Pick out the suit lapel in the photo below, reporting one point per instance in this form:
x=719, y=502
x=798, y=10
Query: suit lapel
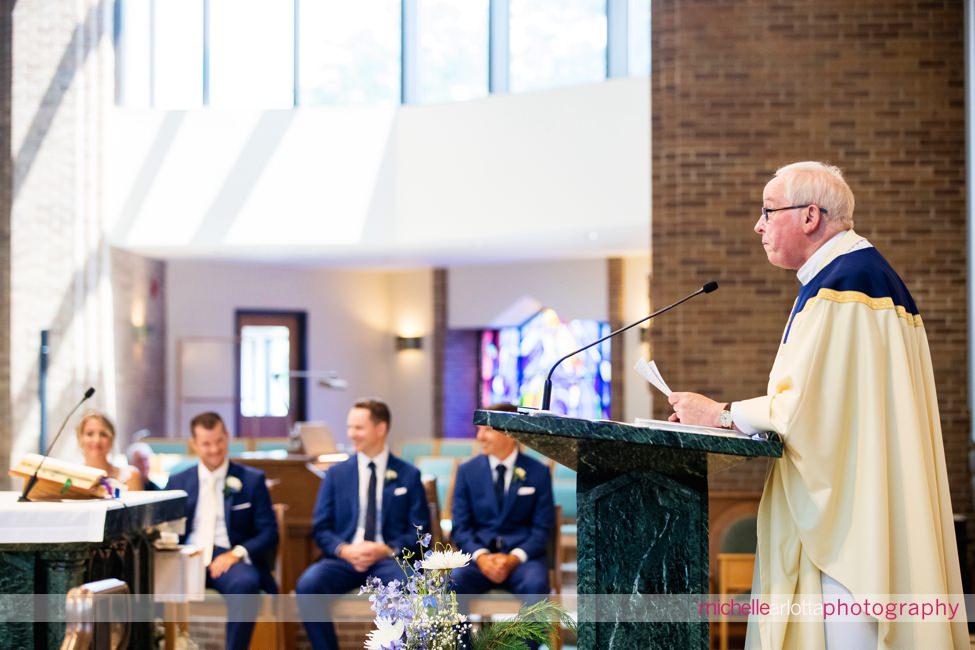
x=388, y=487
x=192, y=497
x=354, y=486
x=228, y=497
x=512, y=493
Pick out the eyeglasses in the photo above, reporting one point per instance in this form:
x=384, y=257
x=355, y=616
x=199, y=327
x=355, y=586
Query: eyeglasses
x=767, y=211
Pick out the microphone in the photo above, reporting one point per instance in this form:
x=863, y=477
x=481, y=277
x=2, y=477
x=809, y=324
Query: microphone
x=547, y=394
x=33, y=479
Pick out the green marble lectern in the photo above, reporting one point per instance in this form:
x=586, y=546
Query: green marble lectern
x=642, y=517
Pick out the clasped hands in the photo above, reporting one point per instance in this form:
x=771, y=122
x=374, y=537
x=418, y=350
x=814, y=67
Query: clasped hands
x=695, y=409
x=496, y=567
x=362, y=555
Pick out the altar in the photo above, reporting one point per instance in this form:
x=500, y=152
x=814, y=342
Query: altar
x=48, y=547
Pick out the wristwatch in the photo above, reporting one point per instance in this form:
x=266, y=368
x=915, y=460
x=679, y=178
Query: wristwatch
x=725, y=421
x=238, y=552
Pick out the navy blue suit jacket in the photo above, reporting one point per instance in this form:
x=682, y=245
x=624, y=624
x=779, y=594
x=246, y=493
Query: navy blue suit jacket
x=404, y=506
x=248, y=515
x=526, y=517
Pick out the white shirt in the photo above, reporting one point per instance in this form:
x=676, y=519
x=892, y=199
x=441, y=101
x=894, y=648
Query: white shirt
x=805, y=274
x=219, y=475
x=381, y=460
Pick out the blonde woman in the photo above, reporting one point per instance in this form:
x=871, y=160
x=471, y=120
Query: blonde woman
x=96, y=436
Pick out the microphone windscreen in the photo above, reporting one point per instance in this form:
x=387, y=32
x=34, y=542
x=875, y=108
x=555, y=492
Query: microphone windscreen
x=89, y=392
x=710, y=286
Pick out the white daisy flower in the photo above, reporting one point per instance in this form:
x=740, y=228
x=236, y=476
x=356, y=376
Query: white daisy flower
x=445, y=561
x=385, y=633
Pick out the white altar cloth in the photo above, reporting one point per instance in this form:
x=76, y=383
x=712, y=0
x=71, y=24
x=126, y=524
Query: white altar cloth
x=70, y=520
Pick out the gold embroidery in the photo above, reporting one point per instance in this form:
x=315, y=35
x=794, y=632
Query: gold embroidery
x=873, y=303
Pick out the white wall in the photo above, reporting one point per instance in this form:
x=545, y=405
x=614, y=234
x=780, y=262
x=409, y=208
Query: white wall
x=560, y=173
x=352, y=319
x=496, y=295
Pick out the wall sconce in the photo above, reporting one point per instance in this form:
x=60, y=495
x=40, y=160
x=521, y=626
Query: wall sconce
x=409, y=343
x=141, y=333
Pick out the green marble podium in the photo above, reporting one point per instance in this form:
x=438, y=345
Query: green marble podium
x=31, y=565
x=642, y=518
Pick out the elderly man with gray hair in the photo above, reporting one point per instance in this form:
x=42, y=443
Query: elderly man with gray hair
x=857, y=512
x=140, y=455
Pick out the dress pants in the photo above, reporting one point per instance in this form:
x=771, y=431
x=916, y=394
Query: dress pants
x=529, y=579
x=240, y=586
x=334, y=576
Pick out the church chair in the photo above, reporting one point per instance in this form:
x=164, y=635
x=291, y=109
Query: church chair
x=461, y=448
x=410, y=450
x=445, y=470
x=736, y=565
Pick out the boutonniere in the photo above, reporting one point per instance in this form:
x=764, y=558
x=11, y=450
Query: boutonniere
x=519, y=473
x=231, y=485
x=391, y=475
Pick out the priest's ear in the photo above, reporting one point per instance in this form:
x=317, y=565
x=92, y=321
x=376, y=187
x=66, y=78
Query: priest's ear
x=812, y=219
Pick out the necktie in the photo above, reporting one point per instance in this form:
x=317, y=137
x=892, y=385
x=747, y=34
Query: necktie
x=499, y=485
x=208, y=519
x=370, y=535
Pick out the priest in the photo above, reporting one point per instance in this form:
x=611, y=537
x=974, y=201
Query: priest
x=857, y=509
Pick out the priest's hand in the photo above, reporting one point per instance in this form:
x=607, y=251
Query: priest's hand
x=692, y=408
x=222, y=563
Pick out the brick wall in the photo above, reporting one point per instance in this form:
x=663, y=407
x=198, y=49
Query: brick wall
x=461, y=381
x=740, y=87
x=6, y=187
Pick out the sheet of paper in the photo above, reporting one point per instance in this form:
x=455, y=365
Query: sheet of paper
x=651, y=373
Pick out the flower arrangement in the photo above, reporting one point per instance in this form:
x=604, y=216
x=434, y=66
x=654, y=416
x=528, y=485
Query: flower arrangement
x=231, y=485
x=421, y=613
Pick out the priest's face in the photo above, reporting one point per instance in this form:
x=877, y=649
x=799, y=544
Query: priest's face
x=782, y=235
x=365, y=435
x=211, y=445
x=494, y=443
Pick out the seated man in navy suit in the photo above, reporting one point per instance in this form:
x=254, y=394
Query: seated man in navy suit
x=368, y=510
x=503, y=515
x=229, y=515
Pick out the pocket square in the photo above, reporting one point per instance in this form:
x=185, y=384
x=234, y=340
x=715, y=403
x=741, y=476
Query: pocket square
x=400, y=491
x=241, y=506
x=526, y=490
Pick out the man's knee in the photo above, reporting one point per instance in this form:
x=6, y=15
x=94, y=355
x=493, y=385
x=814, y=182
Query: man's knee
x=241, y=582
x=531, y=578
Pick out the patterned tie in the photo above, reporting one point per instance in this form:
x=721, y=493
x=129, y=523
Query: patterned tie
x=499, y=485
x=370, y=535
x=208, y=518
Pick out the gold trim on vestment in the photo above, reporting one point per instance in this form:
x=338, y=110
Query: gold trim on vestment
x=873, y=303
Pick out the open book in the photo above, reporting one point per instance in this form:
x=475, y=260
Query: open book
x=59, y=479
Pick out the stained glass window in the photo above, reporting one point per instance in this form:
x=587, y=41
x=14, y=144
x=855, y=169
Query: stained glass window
x=515, y=361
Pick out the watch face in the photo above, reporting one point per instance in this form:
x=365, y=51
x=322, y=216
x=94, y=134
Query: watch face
x=726, y=420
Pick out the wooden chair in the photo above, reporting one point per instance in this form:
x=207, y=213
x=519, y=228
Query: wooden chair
x=269, y=631
x=88, y=625
x=444, y=470
x=433, y=503
x=736, y=565
x=735, y=572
